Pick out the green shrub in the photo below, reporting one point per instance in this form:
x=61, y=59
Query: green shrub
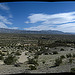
x=32, y=61
x=70, y=60
x=61, y=49
x=43, y=62
x=55, y=52
x=32, y=67
x=1, y=57
x=72, y=69
x=46, y=53
x=17, y=53
x=73, y=55
x=58, y=61
x=10, y=60
x=68, y=55
x=62, y=57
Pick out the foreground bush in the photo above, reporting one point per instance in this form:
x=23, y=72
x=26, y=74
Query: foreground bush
x=32, y=67
x=73, y=70
x=10, y=60
x=32, y=61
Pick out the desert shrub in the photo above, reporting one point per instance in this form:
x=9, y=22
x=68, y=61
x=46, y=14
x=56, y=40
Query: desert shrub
x=46, y=53
x=71, y=49
x=1, y=57
x=32, y=67
x=25, y=53
x=36, y=56
x=61, y=49
x=3, y=54
x=55, y=52
x=70, y=60
x=10, y=60
x=58, y=61
x=68, y=55
x=72, y=69
x=73, y=55
x=62, y=57
x=32, y=61
x=17, y=53
x=0, y=53
x=43, y=62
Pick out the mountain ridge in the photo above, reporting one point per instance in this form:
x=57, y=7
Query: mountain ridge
x=5, y=30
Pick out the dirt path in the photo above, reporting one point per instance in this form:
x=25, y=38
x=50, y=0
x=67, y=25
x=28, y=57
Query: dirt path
x=23, y=58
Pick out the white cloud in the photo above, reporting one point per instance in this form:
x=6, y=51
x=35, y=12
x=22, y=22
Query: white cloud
x=61, y=21
x=26, y=21
x=4, y=20
x=4, y=6
x=12, y=27
x=2, y=25
x=70, y=27
x=52, y=19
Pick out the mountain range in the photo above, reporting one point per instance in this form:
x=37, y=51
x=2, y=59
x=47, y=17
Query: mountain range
x=4, y=30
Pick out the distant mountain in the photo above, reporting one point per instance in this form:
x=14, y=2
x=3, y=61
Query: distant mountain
x=4, y=30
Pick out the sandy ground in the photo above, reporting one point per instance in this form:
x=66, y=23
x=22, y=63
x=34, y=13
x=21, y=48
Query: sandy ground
x=23, y=58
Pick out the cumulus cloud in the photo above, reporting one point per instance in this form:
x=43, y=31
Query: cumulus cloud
x=58, y=21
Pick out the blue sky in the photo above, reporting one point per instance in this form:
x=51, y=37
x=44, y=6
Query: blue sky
x=38, y=15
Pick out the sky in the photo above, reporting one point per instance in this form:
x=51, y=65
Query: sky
x=38, y=15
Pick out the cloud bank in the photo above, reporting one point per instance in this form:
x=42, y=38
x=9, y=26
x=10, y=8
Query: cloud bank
x=62, y=21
